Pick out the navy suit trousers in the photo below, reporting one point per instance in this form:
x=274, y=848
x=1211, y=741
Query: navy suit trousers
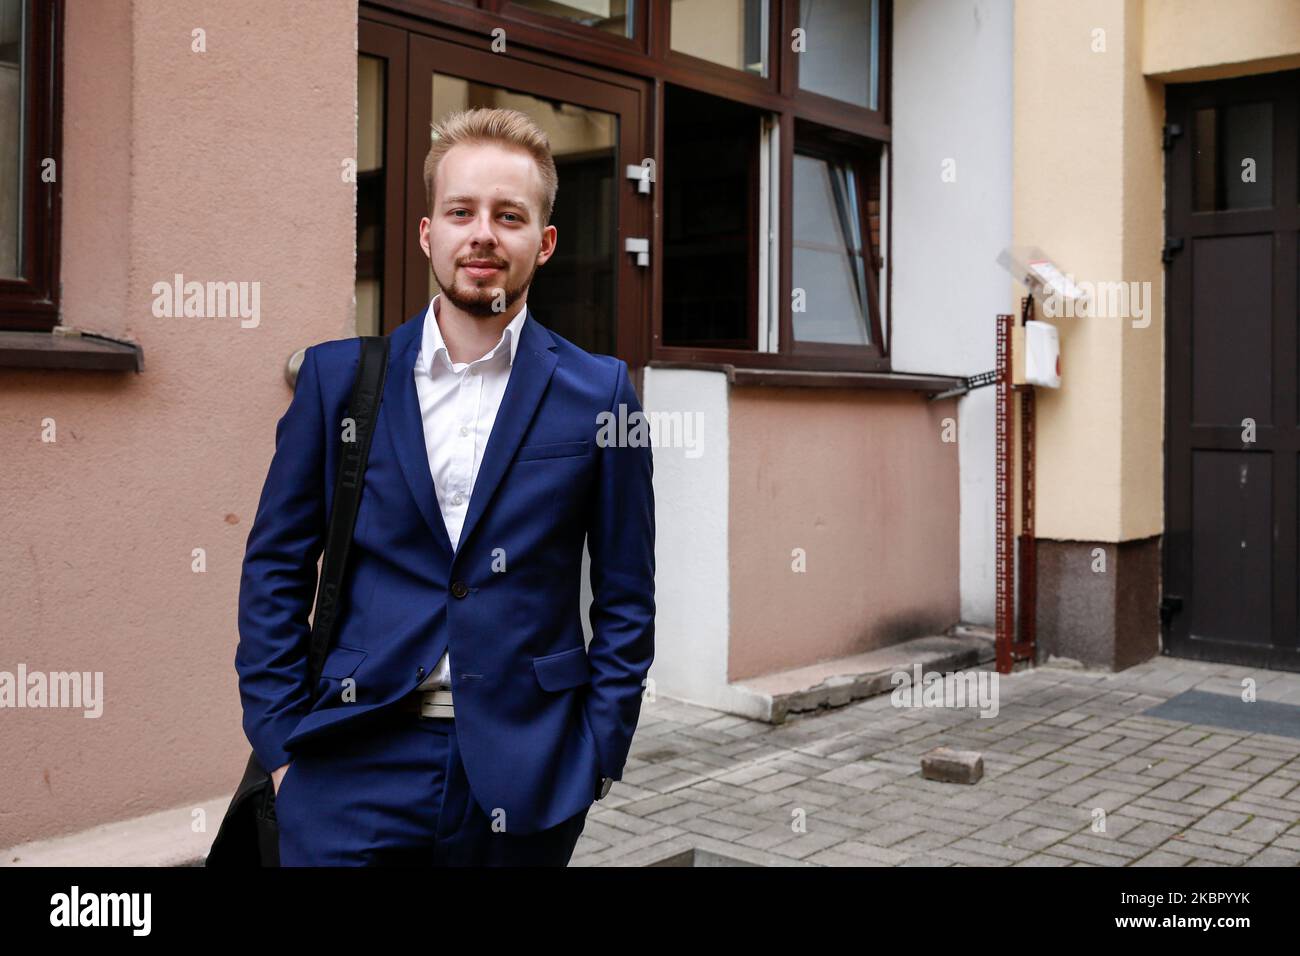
x=394, y=793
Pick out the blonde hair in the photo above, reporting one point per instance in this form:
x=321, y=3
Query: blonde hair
x=506, y=127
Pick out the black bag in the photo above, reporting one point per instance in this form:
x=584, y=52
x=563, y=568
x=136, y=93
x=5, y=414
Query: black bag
x=249, y=834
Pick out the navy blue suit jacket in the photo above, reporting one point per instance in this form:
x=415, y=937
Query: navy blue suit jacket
x=539, y=717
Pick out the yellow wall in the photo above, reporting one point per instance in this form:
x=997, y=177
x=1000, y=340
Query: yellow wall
x=1186, y=40
x=1068, y=178
x=1089, y=189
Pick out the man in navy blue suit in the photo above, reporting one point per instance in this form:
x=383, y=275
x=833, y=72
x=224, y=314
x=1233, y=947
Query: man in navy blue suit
x=459, y=718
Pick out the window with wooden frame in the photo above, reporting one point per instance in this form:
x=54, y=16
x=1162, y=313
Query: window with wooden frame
x=768, y=133
x=835, y=240
x=30, y=71
x=772, y=247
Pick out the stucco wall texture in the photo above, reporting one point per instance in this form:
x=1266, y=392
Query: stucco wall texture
x=1186, y=40
x=865, y=484
x=1089, y=189
x=223, y=165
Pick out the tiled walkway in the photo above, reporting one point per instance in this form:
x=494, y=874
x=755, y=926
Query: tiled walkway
x=843, y=787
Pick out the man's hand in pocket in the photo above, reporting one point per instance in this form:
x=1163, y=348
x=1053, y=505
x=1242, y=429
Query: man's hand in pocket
x=277, y=776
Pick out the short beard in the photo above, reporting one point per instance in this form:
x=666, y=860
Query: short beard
x=478, y=301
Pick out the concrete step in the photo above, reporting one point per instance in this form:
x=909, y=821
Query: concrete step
x=834, y=683
x=179, y=836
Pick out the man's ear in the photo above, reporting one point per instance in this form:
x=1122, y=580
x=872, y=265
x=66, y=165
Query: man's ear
x=550, y=236
x=424, y=236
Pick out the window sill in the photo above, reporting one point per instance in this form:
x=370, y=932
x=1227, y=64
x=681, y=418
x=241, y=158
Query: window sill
x=799, y=378
x=69, y=349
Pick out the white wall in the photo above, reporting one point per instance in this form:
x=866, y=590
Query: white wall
x=692, y=574
x=952, y=101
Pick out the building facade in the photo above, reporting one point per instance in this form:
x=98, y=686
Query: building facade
x=785, y=215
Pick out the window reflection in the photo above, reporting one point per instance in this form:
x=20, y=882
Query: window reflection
x=730, y=32
x=370, y=194
x=11, y=137
x=610, y=16
x=842, y=50
x=829, y=261
x=1233, y=164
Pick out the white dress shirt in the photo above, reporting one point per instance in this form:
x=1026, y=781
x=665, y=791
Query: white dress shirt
x=458, y=406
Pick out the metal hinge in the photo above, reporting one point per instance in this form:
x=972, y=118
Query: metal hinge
x=1172, y=246
x=640, y=246
x=642, y=174
x=1171, y=132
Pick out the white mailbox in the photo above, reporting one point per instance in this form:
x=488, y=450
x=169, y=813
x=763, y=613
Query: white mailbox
x=1036, y=355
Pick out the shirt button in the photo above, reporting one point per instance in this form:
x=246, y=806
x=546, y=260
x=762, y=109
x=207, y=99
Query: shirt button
x=456, y=498
x=464, y=430
x=459, y=589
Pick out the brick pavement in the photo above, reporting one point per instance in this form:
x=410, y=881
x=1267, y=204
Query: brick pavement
x=1074, y=775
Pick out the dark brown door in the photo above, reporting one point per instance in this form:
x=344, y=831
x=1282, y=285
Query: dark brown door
x=591, y=291
x=1232, y=481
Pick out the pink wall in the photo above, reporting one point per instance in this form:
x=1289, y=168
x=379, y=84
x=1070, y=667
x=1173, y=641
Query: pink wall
x=222, y=166
x=864, y=483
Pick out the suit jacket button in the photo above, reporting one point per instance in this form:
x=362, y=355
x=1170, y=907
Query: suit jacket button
x=459, y=589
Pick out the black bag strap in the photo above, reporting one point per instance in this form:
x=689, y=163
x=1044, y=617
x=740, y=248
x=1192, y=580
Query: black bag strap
x=363, y=409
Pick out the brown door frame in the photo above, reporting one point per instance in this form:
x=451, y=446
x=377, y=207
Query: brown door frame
x=389, y=44
x=1281, y=437
x=428, y=48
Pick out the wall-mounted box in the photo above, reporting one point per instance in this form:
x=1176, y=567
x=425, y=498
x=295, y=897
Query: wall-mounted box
x=1035, y=355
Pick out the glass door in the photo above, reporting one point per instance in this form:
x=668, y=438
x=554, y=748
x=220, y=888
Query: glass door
x=592, y=291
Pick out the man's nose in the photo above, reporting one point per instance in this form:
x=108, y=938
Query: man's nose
x=484, y=231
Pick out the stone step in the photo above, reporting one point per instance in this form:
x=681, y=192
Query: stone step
x=836, y=682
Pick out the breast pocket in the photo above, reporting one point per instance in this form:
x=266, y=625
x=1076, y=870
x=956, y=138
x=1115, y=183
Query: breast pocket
x=561, y=449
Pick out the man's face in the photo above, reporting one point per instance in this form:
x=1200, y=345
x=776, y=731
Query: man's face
x=483, y=236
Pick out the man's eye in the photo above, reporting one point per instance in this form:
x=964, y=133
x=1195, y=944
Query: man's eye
x=516, y=215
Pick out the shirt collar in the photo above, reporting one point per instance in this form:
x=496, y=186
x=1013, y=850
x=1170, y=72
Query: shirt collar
x=432, y=341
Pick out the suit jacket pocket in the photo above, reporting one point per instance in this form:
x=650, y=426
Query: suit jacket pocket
x=563, y=670
x=559, y=449
x=342, y=661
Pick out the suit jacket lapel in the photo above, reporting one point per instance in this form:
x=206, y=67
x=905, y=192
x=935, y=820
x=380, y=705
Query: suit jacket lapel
x=406, y=427
x=531, y=372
